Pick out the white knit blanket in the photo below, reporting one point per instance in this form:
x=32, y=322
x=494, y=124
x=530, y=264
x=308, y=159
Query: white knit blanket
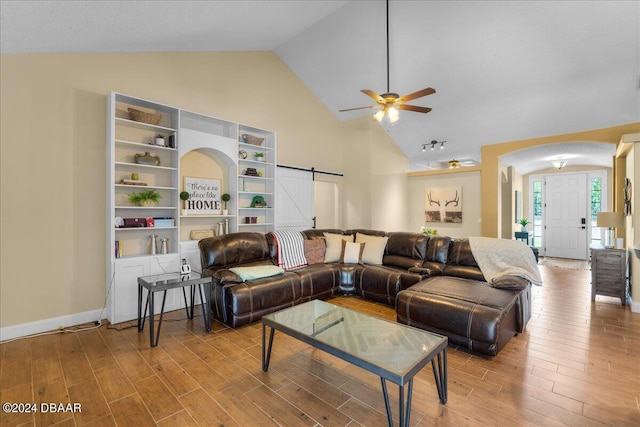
x=502, y=257
x=290, y=249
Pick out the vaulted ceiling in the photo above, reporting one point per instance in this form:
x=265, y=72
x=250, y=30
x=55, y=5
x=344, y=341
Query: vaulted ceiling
x=503, y=71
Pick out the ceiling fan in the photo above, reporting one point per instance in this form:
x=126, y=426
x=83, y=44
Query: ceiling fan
x=450, y=164
x=392, y=102
x=455, y=164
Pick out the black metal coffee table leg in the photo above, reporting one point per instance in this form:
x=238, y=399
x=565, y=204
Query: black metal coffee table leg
x=405, y=413
x=151, y=318
x=266, y=355
x=440, y=374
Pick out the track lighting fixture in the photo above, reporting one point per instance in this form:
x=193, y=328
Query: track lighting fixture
x=433, y=145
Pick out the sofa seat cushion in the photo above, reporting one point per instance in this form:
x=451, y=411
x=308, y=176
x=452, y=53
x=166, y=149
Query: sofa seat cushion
x=471, y=313
x=247, y=302
x=318, y=281
x=377, y=283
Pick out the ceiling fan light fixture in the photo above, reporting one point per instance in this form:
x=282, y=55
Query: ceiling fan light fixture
x=393, y=115
x=391, y=102
x=559, y=164
x=454, y=164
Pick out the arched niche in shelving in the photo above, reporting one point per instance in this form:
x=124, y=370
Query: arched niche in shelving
x=208, y=150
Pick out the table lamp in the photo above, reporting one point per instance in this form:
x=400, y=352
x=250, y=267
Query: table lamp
x=610, y=220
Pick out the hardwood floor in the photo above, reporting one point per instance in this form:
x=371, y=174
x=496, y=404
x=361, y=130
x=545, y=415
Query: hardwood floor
x=578, y=363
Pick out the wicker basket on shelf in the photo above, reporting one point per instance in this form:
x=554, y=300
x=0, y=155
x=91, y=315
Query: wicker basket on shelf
x=144, y=117
x=253, y=140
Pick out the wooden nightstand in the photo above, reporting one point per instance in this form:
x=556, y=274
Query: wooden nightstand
x=609, y=273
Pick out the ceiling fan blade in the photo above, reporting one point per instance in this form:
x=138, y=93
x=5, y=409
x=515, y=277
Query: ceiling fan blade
x=358, y=108
x=372, y=94
x=413, y=108
x=418, y=94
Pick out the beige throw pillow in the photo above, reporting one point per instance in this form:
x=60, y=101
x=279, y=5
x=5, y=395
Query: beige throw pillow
x=351, y=253
x=334, y=245
x=374, y=248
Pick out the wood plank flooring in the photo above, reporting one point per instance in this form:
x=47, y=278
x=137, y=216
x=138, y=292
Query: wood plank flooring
x=577, y=364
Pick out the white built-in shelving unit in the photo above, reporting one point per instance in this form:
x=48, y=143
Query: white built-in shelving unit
x=221, y=140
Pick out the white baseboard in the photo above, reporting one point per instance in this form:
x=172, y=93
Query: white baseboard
x=16, y=331
x=635, y=306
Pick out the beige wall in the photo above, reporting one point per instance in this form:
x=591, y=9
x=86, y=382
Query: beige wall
x=471, y=201
x=632, y=229
x=52, y=153
x=491, y=167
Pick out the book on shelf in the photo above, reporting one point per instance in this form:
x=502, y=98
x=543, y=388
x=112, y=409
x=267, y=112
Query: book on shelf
x=118, y=249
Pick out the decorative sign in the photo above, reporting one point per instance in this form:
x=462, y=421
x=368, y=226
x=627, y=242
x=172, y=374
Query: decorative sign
x=204, y=196
x=443, y=204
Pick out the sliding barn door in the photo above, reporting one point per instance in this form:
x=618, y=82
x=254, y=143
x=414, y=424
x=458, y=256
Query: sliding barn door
x=295, y=199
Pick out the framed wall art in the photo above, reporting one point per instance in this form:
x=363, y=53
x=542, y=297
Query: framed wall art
x=443, y=204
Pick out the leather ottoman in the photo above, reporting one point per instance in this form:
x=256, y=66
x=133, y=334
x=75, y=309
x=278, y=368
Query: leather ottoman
x=471, y=313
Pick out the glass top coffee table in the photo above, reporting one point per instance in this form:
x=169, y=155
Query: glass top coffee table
x=393, y=351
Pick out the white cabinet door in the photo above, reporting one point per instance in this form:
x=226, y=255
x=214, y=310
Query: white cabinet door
x=124, y=292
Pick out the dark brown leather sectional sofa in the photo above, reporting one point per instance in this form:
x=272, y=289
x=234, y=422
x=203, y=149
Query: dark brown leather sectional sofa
x=434, y=283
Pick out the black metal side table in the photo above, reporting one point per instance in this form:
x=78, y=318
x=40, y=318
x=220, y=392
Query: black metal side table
x=164, y=282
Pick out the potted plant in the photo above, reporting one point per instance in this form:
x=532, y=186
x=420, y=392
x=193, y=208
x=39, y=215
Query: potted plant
x=145, y=198
x=258, y=156
x=184, y=196
x=225, y=198
x=523, y=222
x=160, y=140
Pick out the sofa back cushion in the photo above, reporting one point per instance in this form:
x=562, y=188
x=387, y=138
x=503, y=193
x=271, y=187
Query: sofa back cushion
x=405, y=250
x=438, y=249
x=461, y=262
x=460, y=253
x=366, y=231
x=319, y=234
x=233, y=249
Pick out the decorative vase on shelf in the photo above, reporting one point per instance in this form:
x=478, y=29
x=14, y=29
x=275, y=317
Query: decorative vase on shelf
x=147, y=203
x=152, y=244
x=146, y=159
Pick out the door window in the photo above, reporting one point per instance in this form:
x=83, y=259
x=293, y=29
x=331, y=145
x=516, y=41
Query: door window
x=536, y=239
x=596, y=207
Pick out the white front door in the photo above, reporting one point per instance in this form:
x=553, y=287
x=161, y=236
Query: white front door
x=565, y=216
